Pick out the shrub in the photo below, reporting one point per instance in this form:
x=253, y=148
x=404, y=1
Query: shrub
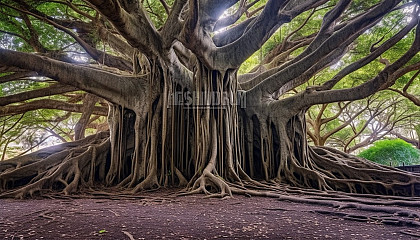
x=395, y=151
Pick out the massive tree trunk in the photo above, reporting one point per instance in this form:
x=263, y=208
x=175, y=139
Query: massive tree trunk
x=183, y=119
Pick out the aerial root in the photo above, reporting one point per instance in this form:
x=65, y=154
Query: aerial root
x=182, y=180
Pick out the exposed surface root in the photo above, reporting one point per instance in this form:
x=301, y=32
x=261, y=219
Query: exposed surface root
x=386, y=211
x=355, y=175
x=211, y=185
x=410, y=232
x=67, y=167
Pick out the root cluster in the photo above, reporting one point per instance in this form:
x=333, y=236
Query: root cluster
x=66, y=167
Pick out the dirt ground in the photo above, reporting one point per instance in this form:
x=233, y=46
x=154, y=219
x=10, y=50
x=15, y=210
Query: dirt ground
x=157, y=216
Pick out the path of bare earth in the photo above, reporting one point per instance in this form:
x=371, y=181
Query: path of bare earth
x=160, y=216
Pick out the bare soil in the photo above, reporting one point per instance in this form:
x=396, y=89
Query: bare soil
x=159, y=215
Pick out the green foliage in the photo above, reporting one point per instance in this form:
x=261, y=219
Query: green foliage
x=417, y=129
x=395, y=151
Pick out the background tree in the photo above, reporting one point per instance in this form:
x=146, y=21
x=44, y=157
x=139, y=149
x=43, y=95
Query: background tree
x=394, y=152
x=137, y=56
x=352, y=125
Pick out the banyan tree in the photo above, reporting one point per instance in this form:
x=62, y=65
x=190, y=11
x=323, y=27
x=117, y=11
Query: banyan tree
x=181, y=114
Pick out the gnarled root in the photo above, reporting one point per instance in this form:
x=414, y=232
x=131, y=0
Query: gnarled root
x=66, y=167
x=209, y=184
x=352, y=174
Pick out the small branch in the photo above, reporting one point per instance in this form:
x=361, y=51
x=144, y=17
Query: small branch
x=409, y=96
x=88, y=107
x=34, y=146
x=16, y=35
x=411, y=81
x=4, y=132
x=165, y=5
x=229, y=20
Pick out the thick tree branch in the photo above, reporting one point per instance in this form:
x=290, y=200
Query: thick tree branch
x=173, y=25
x=134, y=26
x=407, y=69
x=232, y=34
x=373, y=55
x=114, y=41
x=327, y=28
x=201, y=20
x=34, y=37
x=214, y=8
x=229, y=20
x=326, y=31
x=130, y=6
x=384, y=78
x=345, y=35
x=48, y=91
x=114, y=88
x=48, y=104
x=272, y=17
